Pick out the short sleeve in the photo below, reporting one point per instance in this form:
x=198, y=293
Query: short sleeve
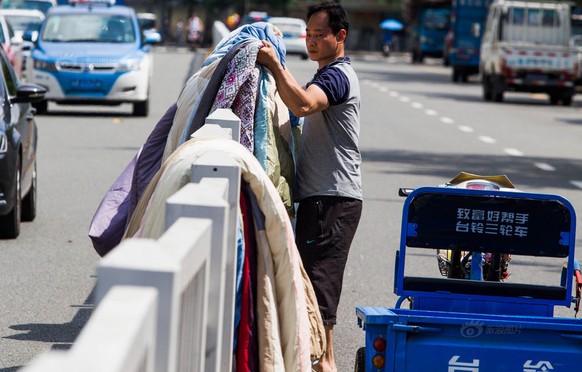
x=334, y=84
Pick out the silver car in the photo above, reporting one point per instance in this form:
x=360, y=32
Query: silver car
x=293, y=30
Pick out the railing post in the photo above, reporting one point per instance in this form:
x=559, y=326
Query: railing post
x=207, y=200
x=193, y=281
x=142, y=262
x=226, y=119
x=214, y=165
x=121, y=334
x=50, y=361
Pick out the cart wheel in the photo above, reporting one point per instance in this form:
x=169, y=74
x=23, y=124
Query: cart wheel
x=360, y=360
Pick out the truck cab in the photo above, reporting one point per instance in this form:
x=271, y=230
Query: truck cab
x=526, y=48
x=467, y=26
x=429, y=33
x=576, y=43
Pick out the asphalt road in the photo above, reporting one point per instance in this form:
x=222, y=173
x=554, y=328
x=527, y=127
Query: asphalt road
x=418, y=129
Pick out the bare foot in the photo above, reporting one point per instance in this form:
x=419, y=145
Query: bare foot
x=324, y=366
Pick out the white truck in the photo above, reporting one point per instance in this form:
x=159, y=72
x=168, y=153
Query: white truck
x=526, y=48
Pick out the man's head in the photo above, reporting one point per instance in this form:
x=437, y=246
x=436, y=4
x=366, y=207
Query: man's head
x=338, y=18
x=327, y=30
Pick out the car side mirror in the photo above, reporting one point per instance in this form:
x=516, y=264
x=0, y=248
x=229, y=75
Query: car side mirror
x=28, y=92
x=476, y=30
x=27, y=36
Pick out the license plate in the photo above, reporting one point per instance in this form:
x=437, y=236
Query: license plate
x=536, y=77
x=86, y=84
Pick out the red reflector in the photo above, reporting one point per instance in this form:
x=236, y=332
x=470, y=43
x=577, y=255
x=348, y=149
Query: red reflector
x=378, y=361
x=522, y=52
x=379, y=344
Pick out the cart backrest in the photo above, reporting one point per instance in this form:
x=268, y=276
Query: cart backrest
x=492, y=221
x=495, y=222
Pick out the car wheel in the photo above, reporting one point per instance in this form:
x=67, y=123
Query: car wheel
x=10, y=223
x=496, y=90
x=304, y=56
x=41, y=107
x=29, y=200
x=141, y=108
x=415, y=57
x=567, y=100
x=360, y=365
x=486, y=88
x=455, y=76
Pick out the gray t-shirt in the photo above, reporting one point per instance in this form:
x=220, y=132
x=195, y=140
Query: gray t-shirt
x=329, y=158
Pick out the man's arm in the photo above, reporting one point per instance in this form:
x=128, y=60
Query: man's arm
x=300, y=101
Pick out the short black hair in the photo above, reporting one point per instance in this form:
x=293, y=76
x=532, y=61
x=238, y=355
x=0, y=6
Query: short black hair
x=338, y=17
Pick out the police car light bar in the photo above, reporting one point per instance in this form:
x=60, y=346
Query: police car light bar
x=92, y=2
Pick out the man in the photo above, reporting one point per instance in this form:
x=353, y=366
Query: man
x=328, y=187
x=195, y=31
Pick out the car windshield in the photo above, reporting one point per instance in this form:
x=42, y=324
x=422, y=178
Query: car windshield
x=24, y=23
x=534, y=26
x=99, y=28
x=43, y=6
x=290, y=29
x=434, y=20
x=147, y=24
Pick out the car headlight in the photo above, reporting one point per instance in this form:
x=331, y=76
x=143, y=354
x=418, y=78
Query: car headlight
x=3, y=143
x=131, y=65
x=44, y=65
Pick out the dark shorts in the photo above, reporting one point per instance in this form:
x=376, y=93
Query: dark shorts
x=325, y=228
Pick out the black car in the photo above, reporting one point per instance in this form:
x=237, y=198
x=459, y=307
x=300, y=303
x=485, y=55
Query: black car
x=18, y=138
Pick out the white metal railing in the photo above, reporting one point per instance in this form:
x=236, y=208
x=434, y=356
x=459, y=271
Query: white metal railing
x=167, y=305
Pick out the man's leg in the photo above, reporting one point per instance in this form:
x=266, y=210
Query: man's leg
x=324, y=232
x=327, y=361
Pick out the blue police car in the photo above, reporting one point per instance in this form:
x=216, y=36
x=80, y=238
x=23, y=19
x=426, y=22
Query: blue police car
x=92, y=52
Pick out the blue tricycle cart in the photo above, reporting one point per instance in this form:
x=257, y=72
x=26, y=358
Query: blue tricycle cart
x=470, y=324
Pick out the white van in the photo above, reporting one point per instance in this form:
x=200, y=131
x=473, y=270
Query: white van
x=526, y=48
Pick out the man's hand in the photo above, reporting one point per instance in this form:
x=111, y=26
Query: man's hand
x=267, y=56
x=300, y=101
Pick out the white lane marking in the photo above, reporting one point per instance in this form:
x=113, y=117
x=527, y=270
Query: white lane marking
x=545, y=166
x=384, y=89
x=430, y=112
x=465, y=128
x=578, y=184
x=487, y=139
x=393, y=94
x=404, y=99
x=513, y=152
x=417, y=105
x=447, y=120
